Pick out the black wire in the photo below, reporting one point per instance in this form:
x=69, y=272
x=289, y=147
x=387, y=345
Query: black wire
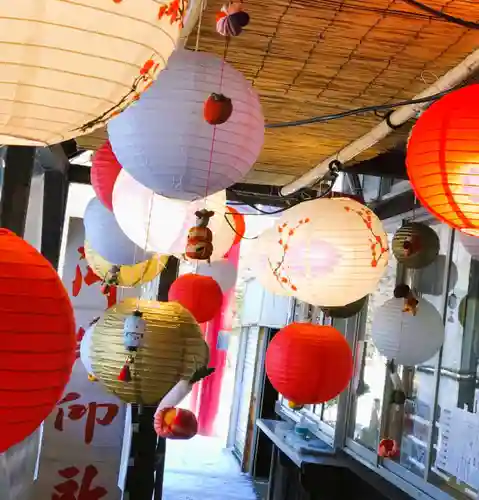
x=447, y=17
x=242, y=236
x=357, y=111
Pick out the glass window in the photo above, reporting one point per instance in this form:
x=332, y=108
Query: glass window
x=457, y=383
x=370, y=366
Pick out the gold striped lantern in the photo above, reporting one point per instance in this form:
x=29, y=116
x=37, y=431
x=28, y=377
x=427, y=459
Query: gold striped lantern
x=346, y=311
x=172, y=349
x=415, y=245
x=127, y=276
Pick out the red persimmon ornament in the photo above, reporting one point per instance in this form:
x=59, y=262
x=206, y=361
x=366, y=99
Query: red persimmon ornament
x=104, y=171
x=217, y=109
x=175, y=423
x=201, y=295
x=37, y=339
x=309, y=364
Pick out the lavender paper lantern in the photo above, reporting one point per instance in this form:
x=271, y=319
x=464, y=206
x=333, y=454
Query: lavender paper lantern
x=164, y=142
x=106, y=237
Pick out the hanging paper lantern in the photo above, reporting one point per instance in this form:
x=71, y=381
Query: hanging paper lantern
x=442, y=159
x=175, y=423
x=309, y=364
x=406, y=338
x=326, y=252
x=470, y=243
x=346, y=311
x=45, y=98
x=38, y=341
x=104, y=171
x=415, y=245
x=238, y=223
x=172, y=349
x=85, y=347
x=263, y=266
x=106, y=237
x=165, y=143
x=128, y=276
x=146, y=216
x=222, y=271
x=201, y=295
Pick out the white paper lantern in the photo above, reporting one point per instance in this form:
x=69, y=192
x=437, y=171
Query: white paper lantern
x=222, y=271
x=164, y=142
x=64, y=64
x=263, y=266
x=105, y=236
x=328, y=252
x=469, y=242
x=85, y=346
x=164, y=223
x=409, y=340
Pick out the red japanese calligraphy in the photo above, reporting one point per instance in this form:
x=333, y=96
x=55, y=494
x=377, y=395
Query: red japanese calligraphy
x=78, y=411
x=90, y=278
x=71, y=490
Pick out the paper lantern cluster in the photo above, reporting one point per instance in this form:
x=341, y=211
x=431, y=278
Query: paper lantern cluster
x=45, y=98
x=326, y=252
x=416, y=245
x=164, y=142
x=408, y=339
x=37, y=334
x=200, y=295
x=443, y=159
x=172, y=349
x=309, y=364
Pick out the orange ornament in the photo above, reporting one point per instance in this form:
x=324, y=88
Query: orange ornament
x=309, y=364
x=217, y=110
x=175, y=423
x=443, y=159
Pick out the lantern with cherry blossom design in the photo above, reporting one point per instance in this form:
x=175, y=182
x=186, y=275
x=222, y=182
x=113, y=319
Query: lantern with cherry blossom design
x=46, y=99
x=327, y=252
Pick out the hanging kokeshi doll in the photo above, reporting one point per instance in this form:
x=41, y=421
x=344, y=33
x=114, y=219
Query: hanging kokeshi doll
x=133, y=331
x=415, y=245
x=112, y=278
x=199, y=245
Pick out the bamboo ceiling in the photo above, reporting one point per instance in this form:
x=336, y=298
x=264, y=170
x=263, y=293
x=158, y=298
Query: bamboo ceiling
x=314, y=57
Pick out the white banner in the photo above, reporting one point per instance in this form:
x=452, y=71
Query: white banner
x=83, y=436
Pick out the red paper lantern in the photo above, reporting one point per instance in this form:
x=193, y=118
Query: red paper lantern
x=175, y=423
x=309, y=364
x=201, y=295
x=104, y=171
x=443, y=159
x=238, y=223
x=37, y=339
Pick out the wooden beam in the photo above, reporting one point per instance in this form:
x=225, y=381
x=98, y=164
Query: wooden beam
x=146, y=471
x=55, y=195
x=19, y=163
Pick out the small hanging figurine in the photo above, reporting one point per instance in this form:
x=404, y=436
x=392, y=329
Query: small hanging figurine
x=410, y=302
x=133, y=331
x=199, y=245
x=411, y=245
x=217, y=109
x=112, y=278
x=388, y=448
x=231, y=20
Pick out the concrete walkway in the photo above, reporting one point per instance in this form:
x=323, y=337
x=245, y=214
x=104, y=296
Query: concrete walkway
x=200, y=469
